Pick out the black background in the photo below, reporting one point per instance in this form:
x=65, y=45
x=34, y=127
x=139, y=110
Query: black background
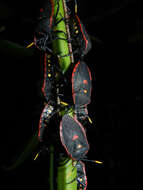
x=116, y=107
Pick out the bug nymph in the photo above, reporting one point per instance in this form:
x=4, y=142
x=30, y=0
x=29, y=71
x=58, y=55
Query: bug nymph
x=45, y=117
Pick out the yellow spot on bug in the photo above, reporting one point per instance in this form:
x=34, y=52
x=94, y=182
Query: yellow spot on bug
x=48, y=55
x=49, y=65
x=85, y=91
x=80, y=179
x=76, y=31
x=49, y=111
x=79, y=146
x=49, y=75
x=49, y=60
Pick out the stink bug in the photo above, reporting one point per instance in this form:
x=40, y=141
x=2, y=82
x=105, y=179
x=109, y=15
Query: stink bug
x=47, y=113
x=80, y=40
x=81, y=88
x=45, y=25
x=48, y=88
x=73, y=137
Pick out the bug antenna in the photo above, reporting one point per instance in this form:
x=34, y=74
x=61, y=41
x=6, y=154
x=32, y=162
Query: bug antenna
x=30, y=45
x=76, y=164
x=94, y=161
x=75, y=6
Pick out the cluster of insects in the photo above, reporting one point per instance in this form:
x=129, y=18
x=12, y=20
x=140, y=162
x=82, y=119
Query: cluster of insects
x=72, y=131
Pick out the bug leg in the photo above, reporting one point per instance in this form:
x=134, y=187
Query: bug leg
x=65, y=55
x=72, y=181
x=57, y=1
x=60, y=31
x=60, y=20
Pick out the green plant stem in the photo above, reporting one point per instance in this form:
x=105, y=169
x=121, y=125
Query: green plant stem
x=60, y=45
x=65, y=175
x=66, y=172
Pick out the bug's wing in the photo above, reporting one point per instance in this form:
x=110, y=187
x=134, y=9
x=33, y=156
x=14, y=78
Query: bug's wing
x=45, y=20
x=44, y=25
x=81, y=84
x=73, y=137
x=88, y=44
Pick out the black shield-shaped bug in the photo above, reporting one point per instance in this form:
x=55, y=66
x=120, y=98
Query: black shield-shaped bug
x=80, y=40
x=44, y=25
x=73, y=137
x=81, y=84
x=81, y=89
x=48, y=88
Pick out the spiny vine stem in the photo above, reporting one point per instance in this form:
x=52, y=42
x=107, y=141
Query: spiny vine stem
x=68, y=31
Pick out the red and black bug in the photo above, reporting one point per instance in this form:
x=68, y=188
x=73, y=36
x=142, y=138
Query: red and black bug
x=53, y=78
x=49, y=82
x=81, y=89
x=45, y=117
x=80, y=40
x=44, y=32
x=44, y=25
x=73, y=137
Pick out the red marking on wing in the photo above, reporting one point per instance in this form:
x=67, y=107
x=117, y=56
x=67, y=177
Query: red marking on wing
x=75, y=137
x=85, y=82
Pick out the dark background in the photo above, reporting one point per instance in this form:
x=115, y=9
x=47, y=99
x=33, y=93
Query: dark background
x=116, y=107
